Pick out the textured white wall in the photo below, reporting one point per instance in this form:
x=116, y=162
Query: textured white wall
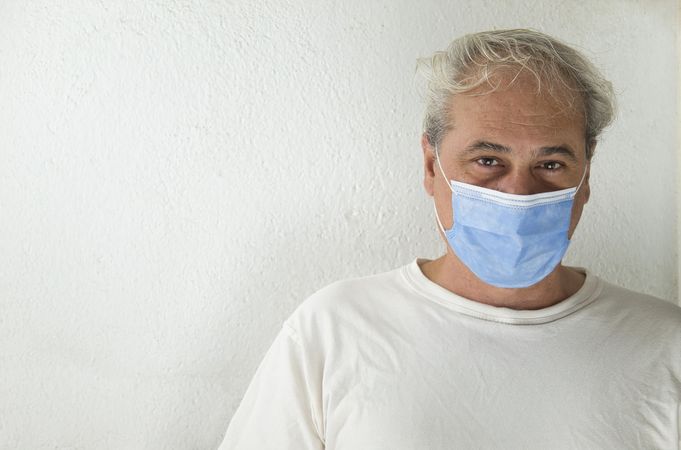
x=177, y=176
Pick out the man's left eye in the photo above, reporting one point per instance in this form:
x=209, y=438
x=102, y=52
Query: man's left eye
x=551, y=165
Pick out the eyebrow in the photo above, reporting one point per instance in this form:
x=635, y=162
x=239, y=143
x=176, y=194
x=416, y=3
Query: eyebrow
x=543, y=151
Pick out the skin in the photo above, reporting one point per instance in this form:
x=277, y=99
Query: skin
x=537, y=145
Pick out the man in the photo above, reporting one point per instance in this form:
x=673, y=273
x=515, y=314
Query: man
x=496, y=344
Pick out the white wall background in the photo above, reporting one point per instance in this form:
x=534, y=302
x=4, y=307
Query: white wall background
x=177, y=176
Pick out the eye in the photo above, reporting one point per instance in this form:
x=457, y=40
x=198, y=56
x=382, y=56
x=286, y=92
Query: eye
x=488, y=162
x=551, y=165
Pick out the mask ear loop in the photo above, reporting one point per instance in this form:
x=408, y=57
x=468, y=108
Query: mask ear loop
x=437, y=158
x=586, y=167
x=437, y=216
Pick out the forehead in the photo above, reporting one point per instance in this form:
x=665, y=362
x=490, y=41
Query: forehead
x=517, y=111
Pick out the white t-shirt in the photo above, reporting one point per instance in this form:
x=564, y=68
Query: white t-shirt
x=394, y=361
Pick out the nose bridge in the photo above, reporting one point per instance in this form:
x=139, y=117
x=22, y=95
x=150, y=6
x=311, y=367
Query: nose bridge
x=518, y=180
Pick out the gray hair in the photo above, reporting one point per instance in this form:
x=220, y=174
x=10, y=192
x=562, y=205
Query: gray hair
x=471, y=60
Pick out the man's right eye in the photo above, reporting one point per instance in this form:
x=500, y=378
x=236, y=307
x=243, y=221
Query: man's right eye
x=487, y=162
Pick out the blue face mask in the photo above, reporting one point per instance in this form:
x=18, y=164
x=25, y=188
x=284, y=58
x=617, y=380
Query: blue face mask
x=509, y=240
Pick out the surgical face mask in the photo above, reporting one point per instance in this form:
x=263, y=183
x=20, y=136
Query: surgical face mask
x=508, y=240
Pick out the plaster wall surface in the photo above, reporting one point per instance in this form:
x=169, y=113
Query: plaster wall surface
x=177, y=176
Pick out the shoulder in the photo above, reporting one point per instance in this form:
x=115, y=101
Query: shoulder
x=638, y=300
x=648, y=327
x=349, y=301
x=352, y=292
x=627, y=304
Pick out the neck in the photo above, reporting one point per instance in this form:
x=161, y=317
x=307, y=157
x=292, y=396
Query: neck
x=450, y=273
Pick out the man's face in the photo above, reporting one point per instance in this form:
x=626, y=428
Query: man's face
x=512, y=140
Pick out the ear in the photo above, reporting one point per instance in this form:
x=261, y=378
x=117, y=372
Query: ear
x=586, y=186
x=428, y=164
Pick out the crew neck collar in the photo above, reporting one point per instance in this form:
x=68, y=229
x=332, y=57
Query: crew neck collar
x=426, y=288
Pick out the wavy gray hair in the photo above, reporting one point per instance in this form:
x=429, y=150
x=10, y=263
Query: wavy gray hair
x=471, y=60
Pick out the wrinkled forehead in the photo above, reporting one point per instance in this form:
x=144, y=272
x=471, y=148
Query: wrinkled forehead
x=516, y=115
x=519, y=90
x=550, y=87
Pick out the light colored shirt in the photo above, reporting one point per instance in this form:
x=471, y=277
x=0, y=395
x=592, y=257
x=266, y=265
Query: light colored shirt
x=394, y=361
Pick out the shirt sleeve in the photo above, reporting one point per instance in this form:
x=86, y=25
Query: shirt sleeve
x=280, y=409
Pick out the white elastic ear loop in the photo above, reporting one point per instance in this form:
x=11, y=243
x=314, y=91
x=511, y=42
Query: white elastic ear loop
x=586, y=166
x=438, y=220
x=437, y=157
x=437, y=216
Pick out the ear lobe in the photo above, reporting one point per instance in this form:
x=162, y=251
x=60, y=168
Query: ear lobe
x=428, y=165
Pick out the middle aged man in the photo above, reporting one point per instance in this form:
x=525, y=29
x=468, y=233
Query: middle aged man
x=496, y=344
